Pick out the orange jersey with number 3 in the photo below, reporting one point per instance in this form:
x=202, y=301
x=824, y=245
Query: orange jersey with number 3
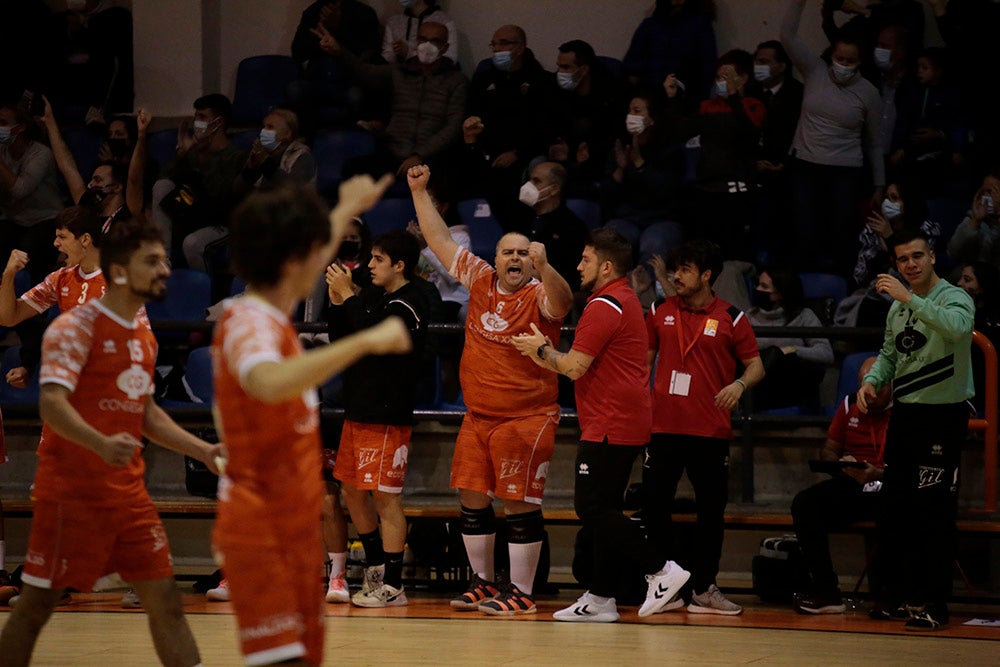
x=66, y=288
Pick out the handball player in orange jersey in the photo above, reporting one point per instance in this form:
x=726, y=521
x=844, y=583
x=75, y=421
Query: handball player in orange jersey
x=267, y=535
x=92, y=512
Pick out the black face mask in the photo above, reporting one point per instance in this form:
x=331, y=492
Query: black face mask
x=93, y=198
x=349, y=250
x=762, y=300
x=119, y=147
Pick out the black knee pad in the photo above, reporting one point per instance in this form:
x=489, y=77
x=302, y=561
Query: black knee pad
x=478, y=522
x=525, y=528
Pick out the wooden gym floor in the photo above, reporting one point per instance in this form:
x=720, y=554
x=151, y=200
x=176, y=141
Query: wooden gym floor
x=94, y=631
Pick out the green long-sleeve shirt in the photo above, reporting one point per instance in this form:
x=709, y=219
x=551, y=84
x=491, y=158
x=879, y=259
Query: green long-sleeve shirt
x=926, y=351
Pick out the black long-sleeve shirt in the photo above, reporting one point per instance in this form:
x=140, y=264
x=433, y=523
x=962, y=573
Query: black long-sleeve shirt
x=381, y=389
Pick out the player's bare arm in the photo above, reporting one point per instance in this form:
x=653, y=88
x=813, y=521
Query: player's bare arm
x=573, y=364
x=164, y=431
x=557, y=290
x=60, y=415
x=13, y=310
x=432, y=226
x=276, y=381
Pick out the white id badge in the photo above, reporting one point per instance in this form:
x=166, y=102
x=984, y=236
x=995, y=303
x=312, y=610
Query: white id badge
x=680, y=383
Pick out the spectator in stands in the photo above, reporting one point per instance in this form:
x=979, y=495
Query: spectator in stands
x=123, y=134
x=925, y=355
x=893, y=58
x=325, y=91
x=982, y=282
x=612, y=391
x=29, y=192
x=195, y=194
x=969, y=31
x=428, y=105
x=509, y=114
x=399, y=42
x=643, y=180
x=517, y=430
x=838, y=134
x=94, y=74
x=107, y=190
x=586, y=117
x=977, y=238
x=547, y=220
x=869, y=19
x=848, y=496
x=795, y=366
x=781, y=93
x=931, y=128
x=695, y=341
x=678, y=38
x=380, y=393
x=278, y=155
x=729, y=125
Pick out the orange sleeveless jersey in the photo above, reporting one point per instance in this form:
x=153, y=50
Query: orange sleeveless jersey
x=497, y=380
x=273, y=486
x=66, y=288
x=108, y=364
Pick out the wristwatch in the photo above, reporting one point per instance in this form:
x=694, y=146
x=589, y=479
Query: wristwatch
x=541, y=350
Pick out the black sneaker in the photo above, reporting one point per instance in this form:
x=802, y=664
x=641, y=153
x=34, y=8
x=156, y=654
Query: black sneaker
x=820, y=603
x=886, y=612
x=926, y=618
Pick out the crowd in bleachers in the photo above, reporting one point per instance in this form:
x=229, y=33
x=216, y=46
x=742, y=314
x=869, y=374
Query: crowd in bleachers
x=801, y=166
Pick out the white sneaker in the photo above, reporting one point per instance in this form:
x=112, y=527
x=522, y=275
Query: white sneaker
x=337, y=592
x=130, y=600
x=588, y=609
x=713, y=601
x=382, y=595
x=220, y=593
x=663, y=588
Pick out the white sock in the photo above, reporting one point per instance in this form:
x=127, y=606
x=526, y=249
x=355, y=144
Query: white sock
x=480, y=550
x=338, y=562
x=523, y=563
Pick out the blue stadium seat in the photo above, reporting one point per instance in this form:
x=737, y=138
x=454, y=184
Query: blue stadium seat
x=237, y=286
x=261, y=85
x=161, y=146
x=389, y=214
x=11, y=395
x=819, y=285
x=244, y=140
x=332, y=149
x=587, y=210
x=484, y=229
x=847, y=382
x=189, y=294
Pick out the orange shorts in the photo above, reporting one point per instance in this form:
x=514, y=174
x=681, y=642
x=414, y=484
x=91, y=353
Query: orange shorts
x=504, y=457
x=278, y=599
x=72, y=545
x=373, y=456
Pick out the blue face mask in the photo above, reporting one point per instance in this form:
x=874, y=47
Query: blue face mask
x=891, y=210
x=6, y=134
x=721, y=89
x=503, y=60
x=761, y=72
x=269, y=140
x=883, y=58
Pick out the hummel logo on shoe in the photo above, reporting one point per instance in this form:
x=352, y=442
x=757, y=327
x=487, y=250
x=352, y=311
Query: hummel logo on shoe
x=589, y=609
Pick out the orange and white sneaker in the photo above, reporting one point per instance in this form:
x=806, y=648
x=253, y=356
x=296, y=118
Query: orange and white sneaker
x=509, y=602
x=479, y=592
x=337, y=592
x=220, y=593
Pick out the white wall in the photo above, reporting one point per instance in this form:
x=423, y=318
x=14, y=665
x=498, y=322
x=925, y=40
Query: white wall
x=169, y=55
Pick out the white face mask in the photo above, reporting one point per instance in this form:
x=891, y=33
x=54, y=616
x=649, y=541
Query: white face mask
x=721, y=89
x=883, y=58
x=566, y=80
x=269, y=139
x=761, y=72
x=200, y=127
x=841, y=73
x=891, y=210
x=428, y=53
x=531, y=195
x=635, y=124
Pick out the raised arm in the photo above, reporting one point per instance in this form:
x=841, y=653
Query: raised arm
x=64, y=157
x=135, y=189
x=798, y=51
x=13, y=310
x=432, y=225
x=557, y=291
x=356, y=196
